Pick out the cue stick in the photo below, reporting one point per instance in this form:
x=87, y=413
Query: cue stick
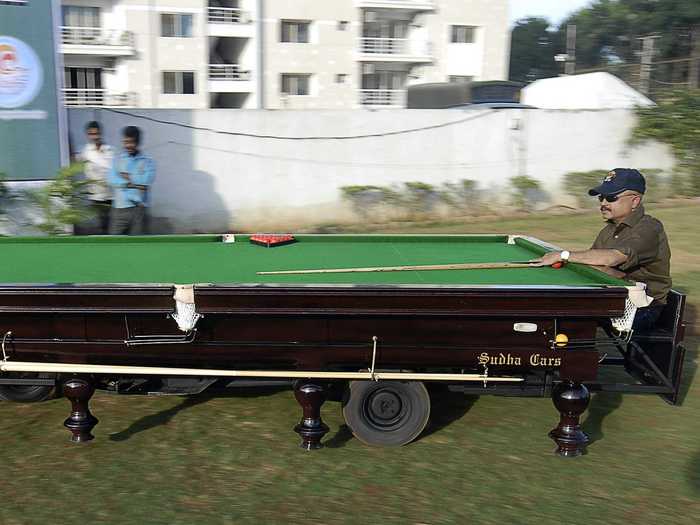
x=458, y=266
x=23, y=366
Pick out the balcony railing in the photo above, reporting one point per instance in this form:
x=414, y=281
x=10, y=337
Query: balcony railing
x=383, y=97
x=227, y=72
x=97, y=97
x=386, y=46
x=96, y=36
x=419, y=5
x=228, y=15
x=396, y=49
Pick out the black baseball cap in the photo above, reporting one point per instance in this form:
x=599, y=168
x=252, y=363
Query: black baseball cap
x=619, y=180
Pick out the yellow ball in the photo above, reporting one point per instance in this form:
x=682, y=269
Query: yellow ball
x=561, y=339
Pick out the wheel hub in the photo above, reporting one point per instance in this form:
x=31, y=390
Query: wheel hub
x=384, y=408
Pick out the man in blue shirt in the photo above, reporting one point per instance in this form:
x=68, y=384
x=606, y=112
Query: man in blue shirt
x=130, y=178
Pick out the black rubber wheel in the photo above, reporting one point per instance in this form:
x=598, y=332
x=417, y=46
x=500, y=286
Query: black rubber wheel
x=386, y=413
x=26, y=393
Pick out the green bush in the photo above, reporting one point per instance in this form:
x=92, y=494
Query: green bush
x=64, y=200
x=527, y=192
x=365, y=199
x=577, y=184
x=420, y=198
x=463, y=195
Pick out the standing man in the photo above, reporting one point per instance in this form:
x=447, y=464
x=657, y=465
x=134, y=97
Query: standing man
x=98, y=158
x=632, y=242
x=131, y=177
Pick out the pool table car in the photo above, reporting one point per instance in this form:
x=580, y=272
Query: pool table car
x=181, y=314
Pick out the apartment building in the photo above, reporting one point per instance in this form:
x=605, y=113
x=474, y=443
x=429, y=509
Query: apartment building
x=276, y=54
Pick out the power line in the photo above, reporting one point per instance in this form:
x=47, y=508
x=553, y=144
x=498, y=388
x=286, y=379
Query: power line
x=313, y=137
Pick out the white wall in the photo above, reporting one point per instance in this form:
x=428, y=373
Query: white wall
x=214, y=182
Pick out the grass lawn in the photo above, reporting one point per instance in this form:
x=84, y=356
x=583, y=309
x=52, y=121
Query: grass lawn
x=234, y=459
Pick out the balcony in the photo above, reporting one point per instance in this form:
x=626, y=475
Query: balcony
x=410, y=5
x=394, y=50
x=229, y=22
x=76, y=97
x=229, y=78
x=395, y=98
x=97, y=41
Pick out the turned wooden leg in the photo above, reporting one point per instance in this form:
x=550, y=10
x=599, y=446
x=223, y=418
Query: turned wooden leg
x=81, y=421
x=571, y=400
x=311, y=428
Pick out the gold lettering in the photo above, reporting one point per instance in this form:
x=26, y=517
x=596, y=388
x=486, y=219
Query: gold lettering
x=501, y=359
x=539, y=360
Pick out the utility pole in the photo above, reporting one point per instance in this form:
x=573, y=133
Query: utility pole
x=570, y=67
x=648, y=43
x=694, y=72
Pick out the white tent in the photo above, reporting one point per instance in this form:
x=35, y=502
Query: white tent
x=587, y=91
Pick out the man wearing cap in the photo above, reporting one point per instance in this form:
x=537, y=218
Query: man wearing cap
x=632, y=242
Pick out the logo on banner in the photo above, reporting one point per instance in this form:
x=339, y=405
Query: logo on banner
x=21, y=74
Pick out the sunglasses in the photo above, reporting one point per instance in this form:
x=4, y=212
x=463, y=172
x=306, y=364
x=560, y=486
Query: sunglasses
x=612, y=198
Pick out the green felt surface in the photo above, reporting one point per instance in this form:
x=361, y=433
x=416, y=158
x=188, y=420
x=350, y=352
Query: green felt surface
x=205, y=259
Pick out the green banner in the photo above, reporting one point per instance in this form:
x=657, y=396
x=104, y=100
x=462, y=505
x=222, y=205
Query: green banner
x=32, y=119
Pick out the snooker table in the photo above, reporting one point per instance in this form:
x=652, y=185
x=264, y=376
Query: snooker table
x=180, y=314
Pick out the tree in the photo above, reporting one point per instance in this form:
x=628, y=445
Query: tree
x=607, y=30
x=532, y=50
x=674, y=121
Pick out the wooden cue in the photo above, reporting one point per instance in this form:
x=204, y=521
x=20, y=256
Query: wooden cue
x=458, y=266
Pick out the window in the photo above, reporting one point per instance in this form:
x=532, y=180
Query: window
x=295, y=84
x=463, y=34
x=342, y=25
x=76, y=16
x=459, y=78
x=13, y=2
x=178, y=82
x=82, y=78
x=340, y=78
x=176, y=25
x=295, y=31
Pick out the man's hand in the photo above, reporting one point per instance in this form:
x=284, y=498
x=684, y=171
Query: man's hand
x=125, y=175
x=548, y=259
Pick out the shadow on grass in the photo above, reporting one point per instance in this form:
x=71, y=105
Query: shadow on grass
x=601, y=406
x=340, y=438
x=163, y=417
x=446, y=407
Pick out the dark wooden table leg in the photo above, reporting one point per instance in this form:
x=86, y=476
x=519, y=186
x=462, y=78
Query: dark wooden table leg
x=311, y=428
x=571, y=400
x=81, y=421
